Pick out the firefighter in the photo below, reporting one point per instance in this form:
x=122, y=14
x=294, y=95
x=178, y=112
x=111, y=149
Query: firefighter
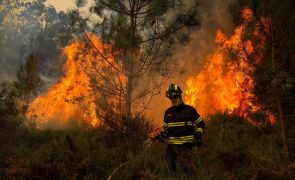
x=183, y=128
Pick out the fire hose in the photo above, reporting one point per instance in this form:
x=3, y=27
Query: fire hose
x=146, y=147
x=159, y=135
x=115, y=170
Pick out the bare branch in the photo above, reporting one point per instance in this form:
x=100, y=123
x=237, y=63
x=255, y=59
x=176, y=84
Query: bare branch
x=144, y=4
x=162, y=36
x=105, y=58
x=145, y=12
x=152, y=89
x=115, y=9
x=124, y=7
x=145, y=61
x=130, y=4
x=114, y=89
x=145, y=107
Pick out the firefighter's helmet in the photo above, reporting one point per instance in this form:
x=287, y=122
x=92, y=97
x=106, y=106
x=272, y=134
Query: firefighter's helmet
x=173, y=91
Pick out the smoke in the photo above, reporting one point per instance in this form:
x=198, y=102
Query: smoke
x=16, y=32
x=30, y=27
x=213, y=15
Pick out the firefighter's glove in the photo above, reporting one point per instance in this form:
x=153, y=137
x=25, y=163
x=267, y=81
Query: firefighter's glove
x=162, y=137
x=198, y=137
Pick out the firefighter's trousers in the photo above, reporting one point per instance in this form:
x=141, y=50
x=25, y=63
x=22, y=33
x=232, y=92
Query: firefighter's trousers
x=179, y=157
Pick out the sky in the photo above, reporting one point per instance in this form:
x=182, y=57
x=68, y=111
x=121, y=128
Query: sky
x=63, y=5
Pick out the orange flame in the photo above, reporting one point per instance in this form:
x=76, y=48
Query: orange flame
x=73, y=97
x=225, y=84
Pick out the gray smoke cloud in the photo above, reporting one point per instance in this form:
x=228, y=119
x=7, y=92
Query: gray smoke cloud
x=31, y=27
x=17, y=28
x=214, y=15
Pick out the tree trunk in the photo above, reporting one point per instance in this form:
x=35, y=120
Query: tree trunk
x=131, y=64
x=282, y=125
x=278, y=100
x=129, y=88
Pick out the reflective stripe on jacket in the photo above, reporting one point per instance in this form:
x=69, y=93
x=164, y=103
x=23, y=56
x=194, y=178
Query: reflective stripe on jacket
x=181, y=123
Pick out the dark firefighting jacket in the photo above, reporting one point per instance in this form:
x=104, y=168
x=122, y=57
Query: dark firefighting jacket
x=182, y=123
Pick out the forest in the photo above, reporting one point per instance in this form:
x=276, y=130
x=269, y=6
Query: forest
x=82, y=91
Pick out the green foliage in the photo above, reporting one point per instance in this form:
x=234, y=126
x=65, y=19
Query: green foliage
x=9, y=114
x=27, y=83
x=27, y=25
x=233, y=149
x=119, y=33
x=81, y=3
x=80, y=153
x=28, y=79
x=158, y=8
x=6, y=96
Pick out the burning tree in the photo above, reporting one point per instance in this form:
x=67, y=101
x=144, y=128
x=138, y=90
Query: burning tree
x=74, y=96
x=258, y=69
x=275, y=76
x=141, y=33
x=226, y=82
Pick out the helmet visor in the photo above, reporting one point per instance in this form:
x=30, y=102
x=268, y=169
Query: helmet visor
x=172, y=94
